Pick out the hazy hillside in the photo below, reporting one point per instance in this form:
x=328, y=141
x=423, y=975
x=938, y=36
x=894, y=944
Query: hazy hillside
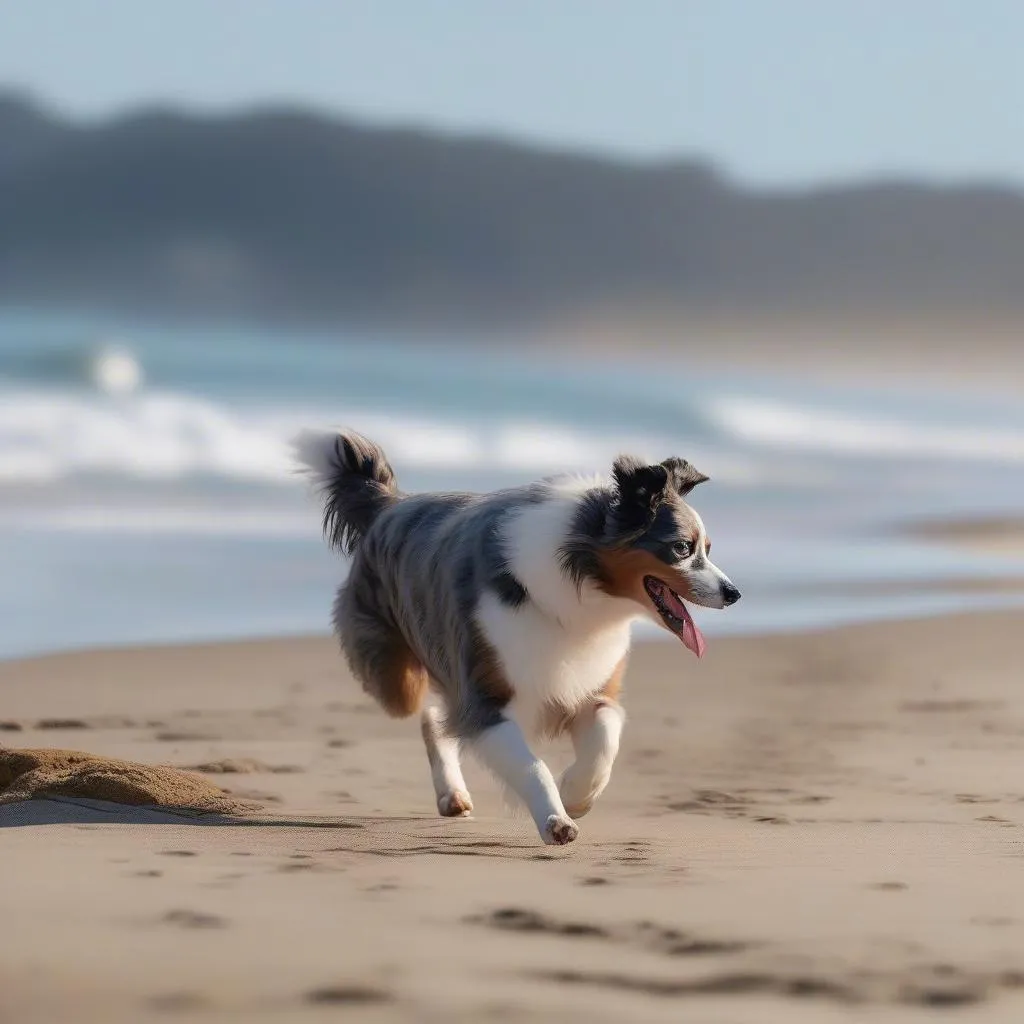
x=286, y=213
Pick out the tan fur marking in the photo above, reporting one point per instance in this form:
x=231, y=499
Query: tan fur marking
x=707, y=545
x=624, y=573
x=489, y=673
x=609, y=693
x=401, y=682
x=554, y=720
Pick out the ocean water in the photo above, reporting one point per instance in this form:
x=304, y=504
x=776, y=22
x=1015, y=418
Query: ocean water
x=147, y=493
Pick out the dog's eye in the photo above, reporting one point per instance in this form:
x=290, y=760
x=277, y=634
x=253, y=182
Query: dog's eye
x=682, y=549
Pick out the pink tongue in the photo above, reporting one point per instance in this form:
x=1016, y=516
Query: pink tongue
x=691, y=636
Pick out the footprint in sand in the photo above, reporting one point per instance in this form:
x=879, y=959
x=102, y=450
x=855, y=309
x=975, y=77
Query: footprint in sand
x=179, y=1002
x=708, y=801
x=352, y=995
x=740, y=983
x=954, y=705
x=243, y=766
x=256, y=796
x=300, y=862
x=927, y=985
x=193, y=919
x=666, y=941
x=515, y=919
x=339, y=794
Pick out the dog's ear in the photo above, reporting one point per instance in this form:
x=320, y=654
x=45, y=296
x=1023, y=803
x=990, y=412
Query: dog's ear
x=641, y=489
x=682, y=476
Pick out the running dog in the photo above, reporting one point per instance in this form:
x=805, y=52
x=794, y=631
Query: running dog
x=512, y=608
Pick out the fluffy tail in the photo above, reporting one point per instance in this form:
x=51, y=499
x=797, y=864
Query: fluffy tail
x=355, y=479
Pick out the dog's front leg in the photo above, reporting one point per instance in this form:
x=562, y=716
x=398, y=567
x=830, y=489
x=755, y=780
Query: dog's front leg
x=504, y=750
x=595, y=730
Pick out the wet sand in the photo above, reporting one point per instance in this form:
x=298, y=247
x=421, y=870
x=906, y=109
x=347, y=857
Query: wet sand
x=1001, y=535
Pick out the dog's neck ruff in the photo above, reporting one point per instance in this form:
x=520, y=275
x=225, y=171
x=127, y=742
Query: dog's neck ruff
x=534, y=541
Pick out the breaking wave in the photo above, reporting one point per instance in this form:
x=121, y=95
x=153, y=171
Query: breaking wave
x=796, y=428
x=126, y=432
x=48, y=436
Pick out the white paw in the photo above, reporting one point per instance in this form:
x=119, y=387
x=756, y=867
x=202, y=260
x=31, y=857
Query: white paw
x=558, y=831
x=455, y=804
x=578, y=795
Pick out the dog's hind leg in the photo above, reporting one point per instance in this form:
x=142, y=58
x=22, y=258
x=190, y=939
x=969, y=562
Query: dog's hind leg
x=443, y=753
x=504, y=750
x=379, y=656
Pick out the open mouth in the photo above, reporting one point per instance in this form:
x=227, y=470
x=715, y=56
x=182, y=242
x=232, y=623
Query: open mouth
x=674, y=613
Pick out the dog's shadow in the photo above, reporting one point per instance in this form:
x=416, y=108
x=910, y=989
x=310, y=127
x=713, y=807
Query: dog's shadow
x=393, y=836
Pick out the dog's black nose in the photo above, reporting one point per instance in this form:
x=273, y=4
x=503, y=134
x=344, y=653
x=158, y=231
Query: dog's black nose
x=730, y=594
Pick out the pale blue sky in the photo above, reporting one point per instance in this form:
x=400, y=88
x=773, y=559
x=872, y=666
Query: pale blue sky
x=777, y=91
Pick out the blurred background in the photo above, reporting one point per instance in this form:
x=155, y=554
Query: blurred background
x=784, y=241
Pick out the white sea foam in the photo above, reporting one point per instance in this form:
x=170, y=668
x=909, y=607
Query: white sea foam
x=201, y=521
x=115, y=370
x=52, y=435
x=796, y=428
x=160, y=436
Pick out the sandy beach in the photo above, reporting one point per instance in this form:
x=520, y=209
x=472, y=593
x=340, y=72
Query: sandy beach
x=800, y=828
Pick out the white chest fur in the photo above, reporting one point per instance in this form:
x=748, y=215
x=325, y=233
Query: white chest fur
x=548, y=664
x=561, y=646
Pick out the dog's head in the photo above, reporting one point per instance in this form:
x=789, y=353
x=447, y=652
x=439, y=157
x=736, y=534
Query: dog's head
x=651, y=547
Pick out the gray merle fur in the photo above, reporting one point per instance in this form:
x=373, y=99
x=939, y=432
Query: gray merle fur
x=420, y=564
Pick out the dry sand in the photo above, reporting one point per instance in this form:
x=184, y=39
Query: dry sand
x=801, y=828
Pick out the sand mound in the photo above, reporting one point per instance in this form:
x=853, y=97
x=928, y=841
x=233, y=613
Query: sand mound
x=35, y=774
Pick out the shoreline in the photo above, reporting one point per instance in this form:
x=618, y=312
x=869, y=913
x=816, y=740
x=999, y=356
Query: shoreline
x=989, y=535
x=989, y=595
x=968, y=356
x=897, y=599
